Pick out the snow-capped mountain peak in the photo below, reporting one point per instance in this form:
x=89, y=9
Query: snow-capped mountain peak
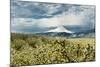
x=60, y=29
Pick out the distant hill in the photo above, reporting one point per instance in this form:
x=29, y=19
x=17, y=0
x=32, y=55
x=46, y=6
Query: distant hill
x=61, y=31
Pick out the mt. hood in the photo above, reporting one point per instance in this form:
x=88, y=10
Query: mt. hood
x=60, y=29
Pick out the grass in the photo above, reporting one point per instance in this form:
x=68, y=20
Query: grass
x=35, y=50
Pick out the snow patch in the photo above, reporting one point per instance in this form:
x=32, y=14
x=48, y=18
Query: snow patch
x=60, y=29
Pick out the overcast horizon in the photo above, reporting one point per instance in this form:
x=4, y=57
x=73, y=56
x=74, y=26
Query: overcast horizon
x=39, y=17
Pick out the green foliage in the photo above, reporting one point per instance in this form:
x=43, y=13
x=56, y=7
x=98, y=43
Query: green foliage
x=18, y=36
x=34, y=50
x=18, y=44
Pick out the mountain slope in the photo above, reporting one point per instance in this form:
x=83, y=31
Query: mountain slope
x=60, y=29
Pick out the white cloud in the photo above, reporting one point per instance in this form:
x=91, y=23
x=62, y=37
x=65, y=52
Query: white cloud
x=73, y=15
x=52, y=8
x=20, y=22
x=66, y=18
x=70, y=17
x=48, y=22
x=61, y=20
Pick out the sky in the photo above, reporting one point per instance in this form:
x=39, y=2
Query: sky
x=33, y=17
